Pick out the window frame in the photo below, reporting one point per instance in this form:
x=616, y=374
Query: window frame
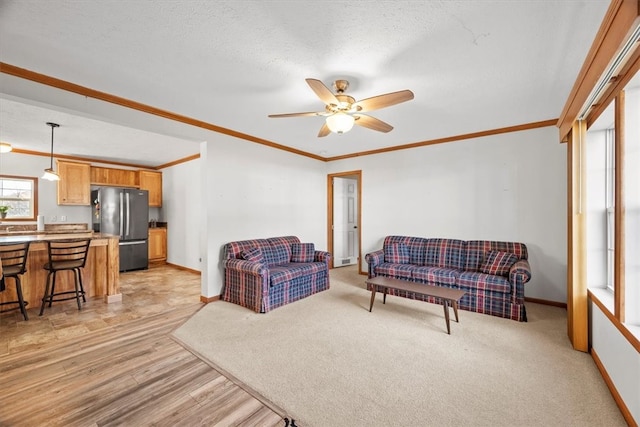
x=34, y=197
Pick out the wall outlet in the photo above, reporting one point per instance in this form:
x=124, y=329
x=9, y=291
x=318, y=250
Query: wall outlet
x=54, y=219
x=63, y=218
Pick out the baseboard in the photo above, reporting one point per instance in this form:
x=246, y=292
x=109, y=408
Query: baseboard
x=180, y=267
x=207, y=300
x=614, y=392
x=546, y=302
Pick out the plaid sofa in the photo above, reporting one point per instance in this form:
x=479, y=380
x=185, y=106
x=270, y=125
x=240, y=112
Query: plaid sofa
x=288, y=271
x=492, y=273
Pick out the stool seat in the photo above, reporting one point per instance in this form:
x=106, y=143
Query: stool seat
x=12, y=270
x=69, y=255
x=64, y=265
x=13, y=257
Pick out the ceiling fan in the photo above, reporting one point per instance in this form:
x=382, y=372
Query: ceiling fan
x=343, y=111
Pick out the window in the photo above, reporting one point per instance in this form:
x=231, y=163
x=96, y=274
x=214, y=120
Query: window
x=613, y=200
x=631, y=200
x=20, y=194
x=609, y=189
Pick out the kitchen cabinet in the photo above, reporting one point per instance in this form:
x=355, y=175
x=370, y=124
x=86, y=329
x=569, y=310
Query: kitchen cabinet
x=157, y=244
x=73, y=188
x=151, y=181
x=113, y=177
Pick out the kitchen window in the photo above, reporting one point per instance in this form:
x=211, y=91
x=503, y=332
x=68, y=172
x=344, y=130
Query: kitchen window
x=20, y=194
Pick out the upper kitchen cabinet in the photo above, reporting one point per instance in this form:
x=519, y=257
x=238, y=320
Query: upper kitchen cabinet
x=152, y=181
x=113, y=177
x=73, y=186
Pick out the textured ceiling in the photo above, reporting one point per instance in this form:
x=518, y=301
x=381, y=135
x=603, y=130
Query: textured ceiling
x=472, y=65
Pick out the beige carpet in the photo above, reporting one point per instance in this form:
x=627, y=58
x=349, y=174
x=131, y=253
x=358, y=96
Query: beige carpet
x=327, y=361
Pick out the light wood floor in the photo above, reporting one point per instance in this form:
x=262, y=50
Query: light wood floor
x=116, y=364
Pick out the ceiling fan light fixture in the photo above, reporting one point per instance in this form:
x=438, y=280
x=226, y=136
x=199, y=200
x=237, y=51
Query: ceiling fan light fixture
x=5, y=148
x=340, y=122
x=49, y=173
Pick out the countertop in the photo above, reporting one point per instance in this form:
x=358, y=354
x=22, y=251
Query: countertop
x=20, y=237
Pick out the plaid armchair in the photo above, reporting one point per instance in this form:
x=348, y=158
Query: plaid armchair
x=492, y=273
x=264, y=274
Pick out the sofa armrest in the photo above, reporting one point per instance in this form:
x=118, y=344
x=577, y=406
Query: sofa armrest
x=374, y=259
x=247, y=267
x=322, y=256
x=519, y=274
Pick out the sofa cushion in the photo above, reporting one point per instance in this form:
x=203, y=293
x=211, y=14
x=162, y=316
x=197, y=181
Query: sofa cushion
x=480, y=281
x=234, y=249
x=277, y=254
x=400, y=271
x=477, y=251
x=414, y=244
x=396, y=253
x=498, y=263
x=302, y=252
x=287, y=272
x=280, y=250
x=435, y=275
x=447, y=253
x=253, y=255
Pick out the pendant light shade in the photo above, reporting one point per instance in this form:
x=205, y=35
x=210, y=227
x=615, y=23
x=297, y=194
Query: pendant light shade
x=49, y=173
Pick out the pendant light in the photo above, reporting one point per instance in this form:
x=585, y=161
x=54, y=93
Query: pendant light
x=49, y=173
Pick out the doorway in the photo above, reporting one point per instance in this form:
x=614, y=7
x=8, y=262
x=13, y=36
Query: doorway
x=344, y=213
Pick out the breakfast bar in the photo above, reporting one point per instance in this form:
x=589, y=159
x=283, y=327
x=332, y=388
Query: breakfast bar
x=100, y=274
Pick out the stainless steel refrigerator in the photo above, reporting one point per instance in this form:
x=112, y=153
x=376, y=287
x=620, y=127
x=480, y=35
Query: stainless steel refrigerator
x=124, y=212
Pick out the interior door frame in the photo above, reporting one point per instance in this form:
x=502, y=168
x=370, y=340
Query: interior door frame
x=357, y=174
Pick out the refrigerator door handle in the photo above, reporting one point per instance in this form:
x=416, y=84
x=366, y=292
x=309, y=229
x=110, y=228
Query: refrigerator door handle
x=128, y=214
x=129, y=243
x=121, y=216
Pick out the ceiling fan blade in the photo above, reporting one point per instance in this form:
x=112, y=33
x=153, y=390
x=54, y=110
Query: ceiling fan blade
x=297, y=114
x=323, y=92
x=372, y=123
x=324, y=131
x=382, y=101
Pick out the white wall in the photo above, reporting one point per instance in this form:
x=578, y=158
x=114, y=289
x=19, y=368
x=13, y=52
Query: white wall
x=619, y=358
x=182, y=209
x=33, y=166
x=503, y=187
x=252, y=191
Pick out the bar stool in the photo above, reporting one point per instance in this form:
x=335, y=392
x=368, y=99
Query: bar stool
x=70, y=255
x=13, y=257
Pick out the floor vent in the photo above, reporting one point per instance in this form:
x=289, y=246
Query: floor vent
x=346, y=261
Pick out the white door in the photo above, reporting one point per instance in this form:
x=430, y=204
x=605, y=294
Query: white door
x=345, y=221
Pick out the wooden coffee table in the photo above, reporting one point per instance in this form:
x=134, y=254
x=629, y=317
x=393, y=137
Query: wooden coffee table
x=447, y=295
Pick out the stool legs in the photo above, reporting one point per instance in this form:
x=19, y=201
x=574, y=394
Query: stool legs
x=81, y=285
x=21, y=302
x=75, y=284
x=50, y=289
x=46, y=293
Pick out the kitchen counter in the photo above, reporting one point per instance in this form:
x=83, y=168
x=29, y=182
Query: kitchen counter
x=39, y=236
x=100, y=274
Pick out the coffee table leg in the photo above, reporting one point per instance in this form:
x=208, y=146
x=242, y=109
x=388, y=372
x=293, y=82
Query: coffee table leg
x=455, y=309
x=446, y=315
x=384, y=296
x=373, y=297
